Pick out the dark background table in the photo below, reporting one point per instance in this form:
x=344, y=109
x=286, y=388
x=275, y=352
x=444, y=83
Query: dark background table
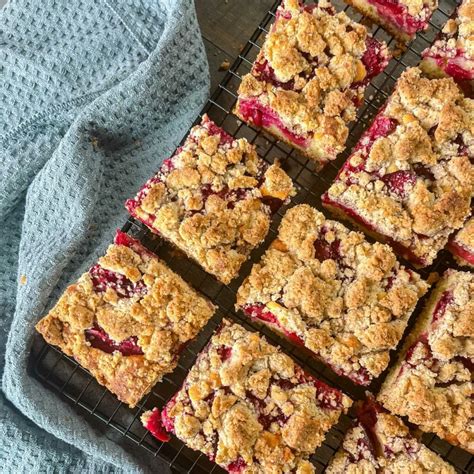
x=226, y=26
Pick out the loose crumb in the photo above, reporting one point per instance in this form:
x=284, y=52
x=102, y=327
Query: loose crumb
x=225, y=65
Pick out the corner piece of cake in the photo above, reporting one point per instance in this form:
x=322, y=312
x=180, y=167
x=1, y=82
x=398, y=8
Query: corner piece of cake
x=431, y=383
x=126, y=319
x=309, y=78
x=402, y=18
x=329, y=290
x=380, y=442
x=410, y=179
x=461, y=245
x=452, y=54
x=213, y=199
x=248, y=407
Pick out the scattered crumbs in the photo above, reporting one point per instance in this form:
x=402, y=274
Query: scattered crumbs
x=433, y=277
x=225, y=65
x=23, y=280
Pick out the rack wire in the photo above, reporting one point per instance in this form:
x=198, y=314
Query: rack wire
x=73, y=383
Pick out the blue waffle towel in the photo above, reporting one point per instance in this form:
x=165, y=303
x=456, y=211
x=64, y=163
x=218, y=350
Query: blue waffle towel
x=94, y=94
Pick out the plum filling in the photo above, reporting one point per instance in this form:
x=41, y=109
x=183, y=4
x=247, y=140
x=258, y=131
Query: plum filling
x=125, y=288
x=374, y=59
x=325, y=250
x=155, y=426
x=440, y=309
x=399, y=182
x=453, y=63
x=252, y=110
x=236, y=466
x=397, y=14
x=461, y=252
x=99, y=339
x=260, y=311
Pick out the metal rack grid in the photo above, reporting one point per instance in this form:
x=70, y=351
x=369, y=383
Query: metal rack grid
x=63, y=375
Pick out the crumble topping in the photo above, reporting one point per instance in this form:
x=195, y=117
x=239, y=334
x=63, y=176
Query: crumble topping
x=431, y=384
x=346, y=300
x=213, y=199
x=311, y=73
x=250, y=408
x=457, y=36
x=381, y=442
x=465, y=239
x=142, y=326
x=410, y=177
x=419, y=8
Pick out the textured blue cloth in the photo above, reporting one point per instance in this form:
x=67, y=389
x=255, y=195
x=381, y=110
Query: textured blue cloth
x=94, y=94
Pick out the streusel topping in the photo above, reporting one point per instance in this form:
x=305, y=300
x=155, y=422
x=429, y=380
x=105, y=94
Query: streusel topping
x=346, y=300
x=413, y=181
x=213, y=199
x=431, y=384
x=457, y=34
x=465, y=237
x=247, y=404
x=310, y=71
x=419, y=8
x=129, y=296
x=381, y=442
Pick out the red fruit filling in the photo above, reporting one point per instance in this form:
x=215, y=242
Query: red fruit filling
x=253, y=111
x=453, y=66
x=399, y=182
x=461, y=252
x=440, y=309
x=213, y=129
x=125, y=288
x=99, y=339
x=374, y=59
x=224, y=353
x=260, y=311
x=327, y=250
x=155, y=426
x=236, y=466
x=397, y=14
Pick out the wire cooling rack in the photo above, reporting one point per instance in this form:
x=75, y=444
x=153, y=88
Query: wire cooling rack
x=64, y=376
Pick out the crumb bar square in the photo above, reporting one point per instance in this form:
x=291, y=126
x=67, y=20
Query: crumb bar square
x=452, y=53
x=381, y=442
x=248, y=407
x=410, y=179
x=310, y=77
x=402, y=18
x=462, y=244
x=431, y=384
x=329, y=290
x=213, y=199
x=126, y=319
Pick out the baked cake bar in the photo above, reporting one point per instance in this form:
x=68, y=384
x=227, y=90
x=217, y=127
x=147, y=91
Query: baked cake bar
x=431, y=383
x=248, y=407
x=126, y=319
x=409, y=180
x=309, y=78
x=213, y=199
x=381, y=443
x=329, y=290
